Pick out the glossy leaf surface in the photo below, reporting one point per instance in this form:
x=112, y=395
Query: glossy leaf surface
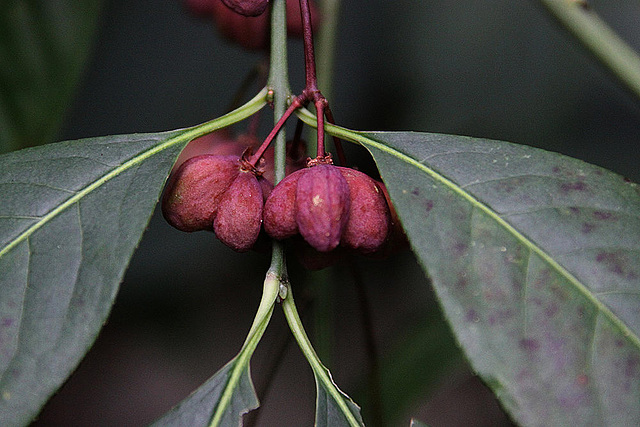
x=535, y=258
x=43, y=49
x=71, y=217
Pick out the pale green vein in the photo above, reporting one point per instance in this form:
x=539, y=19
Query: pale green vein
x=359, y=137
x=183, y=136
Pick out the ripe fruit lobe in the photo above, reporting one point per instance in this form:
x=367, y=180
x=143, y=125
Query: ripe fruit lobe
x=322, y=200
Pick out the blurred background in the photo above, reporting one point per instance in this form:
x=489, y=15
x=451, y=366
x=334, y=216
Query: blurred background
x=494, y=69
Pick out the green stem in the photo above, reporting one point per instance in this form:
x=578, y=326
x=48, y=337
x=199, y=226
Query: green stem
x=323, y=315
x=323, y=378
x=279, y=80
x=600, y=39
x=251, y=107
x=327, y=45
x=278, y=87
x=270, y=292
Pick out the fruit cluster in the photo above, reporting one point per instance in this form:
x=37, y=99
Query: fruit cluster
x=244, y=21
x=328, y=206
x=219, y=193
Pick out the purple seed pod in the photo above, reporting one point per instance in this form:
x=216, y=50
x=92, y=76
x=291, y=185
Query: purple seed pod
x=369, y=217
x=192, y=194
x=266, y=186
x=247, y=7
x=280, y=208
x=322, y=206
x=239, y=217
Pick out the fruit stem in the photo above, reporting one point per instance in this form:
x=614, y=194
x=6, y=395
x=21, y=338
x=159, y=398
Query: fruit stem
x=255, y=158
x=311, y=78
x=311, y=91
x=336, y=141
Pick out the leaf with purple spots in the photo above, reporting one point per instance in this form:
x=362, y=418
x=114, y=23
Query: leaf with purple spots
x=535, y=258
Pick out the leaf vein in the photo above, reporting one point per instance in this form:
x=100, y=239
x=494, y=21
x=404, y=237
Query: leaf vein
x=178, y=137
x=37, y=184
x=590, y=364
x=558, y=207
x=363, y=139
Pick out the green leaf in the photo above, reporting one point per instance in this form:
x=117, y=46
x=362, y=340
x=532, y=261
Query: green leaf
x=197, y=409
x=229, y=394
x=44, y=46
x=333, y=407
x=535, y=258
x=71, y=215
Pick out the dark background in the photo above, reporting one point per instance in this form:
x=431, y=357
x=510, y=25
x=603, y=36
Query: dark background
x=496, y=69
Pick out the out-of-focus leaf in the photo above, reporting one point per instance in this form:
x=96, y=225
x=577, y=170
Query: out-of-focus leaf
x=419, y=362
x=535, y=258
x=43, y=48
x=197, y=409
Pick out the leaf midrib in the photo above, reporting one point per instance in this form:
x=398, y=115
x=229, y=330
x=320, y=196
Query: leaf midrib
x=511, y=229
x=360, y=137
x=88, y=189
x=184, y=135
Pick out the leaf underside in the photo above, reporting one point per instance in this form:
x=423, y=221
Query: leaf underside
x=535, y=258
x=198, y=408
x=71, y=215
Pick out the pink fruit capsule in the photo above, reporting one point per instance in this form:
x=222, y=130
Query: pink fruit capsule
x=280, y=208
x=322, y=206
x=369, y=217
x=239, y=217
x=192, y=194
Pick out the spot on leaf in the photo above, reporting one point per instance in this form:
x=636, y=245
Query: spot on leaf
x=568, y=187
x=529, y=344
x=616, y=263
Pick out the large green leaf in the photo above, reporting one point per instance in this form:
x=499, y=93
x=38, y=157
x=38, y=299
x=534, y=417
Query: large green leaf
x=535, y=258
x=43, y=48
x=71, y=215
